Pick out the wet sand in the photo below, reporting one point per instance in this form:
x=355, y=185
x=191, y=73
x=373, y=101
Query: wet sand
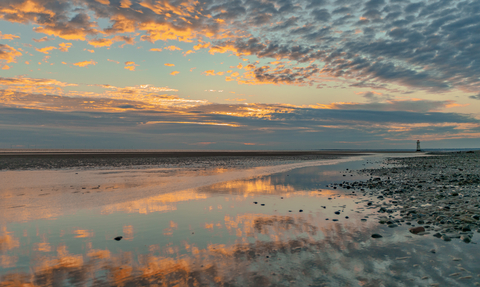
x=59, y=159
x=270, y=225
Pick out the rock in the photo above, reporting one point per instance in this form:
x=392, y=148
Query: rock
x=337, y=212
x=118, y=238
x=301, y=210
x=263, y=204
x=433, y=251
x=375, y=235
x=255, y=202
x=466, y=228
x=416, y=230
x=437, y=235
x=446, y=238
x=465, y=238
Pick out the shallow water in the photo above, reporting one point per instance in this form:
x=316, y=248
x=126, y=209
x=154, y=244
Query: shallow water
x=212, y=233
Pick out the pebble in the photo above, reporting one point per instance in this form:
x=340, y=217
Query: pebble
x=439, y=190
x=118, y=238
x=375, y=235
x=416, y=230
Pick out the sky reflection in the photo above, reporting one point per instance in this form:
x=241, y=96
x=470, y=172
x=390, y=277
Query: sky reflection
x=218, y=236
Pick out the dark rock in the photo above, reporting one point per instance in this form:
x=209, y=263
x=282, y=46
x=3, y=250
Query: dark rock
x=301, y=210
x=375, y=235
x=437, y=235
x=416, y=230
x=466, y=228
x=118, y=238
x=263, y=204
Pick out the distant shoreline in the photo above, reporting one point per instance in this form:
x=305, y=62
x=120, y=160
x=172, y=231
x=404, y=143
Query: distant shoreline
x=143, y=153
x=200, y=159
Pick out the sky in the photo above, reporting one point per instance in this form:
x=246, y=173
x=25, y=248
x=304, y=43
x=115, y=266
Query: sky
x=239, y=75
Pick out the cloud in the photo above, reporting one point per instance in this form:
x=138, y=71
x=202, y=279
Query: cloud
x=85, y=63
x=8, y=36
x=130, y=65
x=46, y=50
x=65, y=46
x=43, y=39
x=173, y=48
x=273, y=126
x=156, y=49
x=174, y=73
x=8, y=54
x=423, y=45
x=169, y=65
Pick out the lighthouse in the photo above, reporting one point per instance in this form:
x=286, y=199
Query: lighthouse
x=418, y=146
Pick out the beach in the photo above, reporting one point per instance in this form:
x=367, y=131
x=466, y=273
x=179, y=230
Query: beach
x=241, y=220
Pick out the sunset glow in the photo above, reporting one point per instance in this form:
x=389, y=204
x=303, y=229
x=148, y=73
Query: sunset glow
x=284, y=74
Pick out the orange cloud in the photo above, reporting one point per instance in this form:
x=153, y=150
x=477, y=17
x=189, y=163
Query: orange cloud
x=174, y=73
x=173, y=48
x=100, y=42
x=156, y=50
x=201, y=46
x=6, y=67
x=85, y=63
x=169, y=65
x=130, y=65
x=64, y=46
x=188, y=52
x=125, y=4
x=104, y=2
x=8, y=54
x=209, y=73
x=227, y=48
x=8, y=36
x=46, y=49
x=117, y=62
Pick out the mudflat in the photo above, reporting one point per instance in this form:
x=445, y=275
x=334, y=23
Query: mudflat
x=57, y=159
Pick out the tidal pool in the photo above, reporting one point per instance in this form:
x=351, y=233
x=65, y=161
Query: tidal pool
x=272, y=226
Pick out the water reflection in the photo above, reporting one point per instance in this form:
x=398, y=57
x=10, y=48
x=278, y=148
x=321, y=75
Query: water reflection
x=218, y=236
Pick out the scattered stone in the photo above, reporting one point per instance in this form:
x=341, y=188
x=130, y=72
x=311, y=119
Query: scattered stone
x=439, y=190
x=118, y=238
x=375, y=235
x=263, y=204
x=301, y=210
x=465, y=238
x=433, y=251
x=416, y=230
